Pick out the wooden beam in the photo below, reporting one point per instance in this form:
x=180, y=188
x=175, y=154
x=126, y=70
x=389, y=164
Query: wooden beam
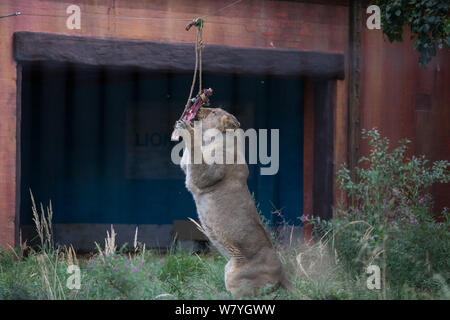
x=308, y=157
x=18, y=153
x=355, y=29
x=176, y=57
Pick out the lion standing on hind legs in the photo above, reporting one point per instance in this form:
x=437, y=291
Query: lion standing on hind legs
x=226, y=208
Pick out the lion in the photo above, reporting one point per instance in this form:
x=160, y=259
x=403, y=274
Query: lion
x=227, y=211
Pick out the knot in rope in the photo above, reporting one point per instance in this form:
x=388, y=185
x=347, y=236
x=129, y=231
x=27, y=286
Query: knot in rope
x=197, y=22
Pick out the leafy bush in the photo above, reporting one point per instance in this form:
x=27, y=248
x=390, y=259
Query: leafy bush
x=428, y=20
x=391, y=223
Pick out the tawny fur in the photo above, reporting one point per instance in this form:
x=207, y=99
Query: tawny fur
x=228, y=214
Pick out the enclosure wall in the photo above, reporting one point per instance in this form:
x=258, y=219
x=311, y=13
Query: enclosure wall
x=398, y=96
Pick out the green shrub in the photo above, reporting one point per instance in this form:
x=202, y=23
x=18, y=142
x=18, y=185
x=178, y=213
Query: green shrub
x=390, y=223
x=427, y=20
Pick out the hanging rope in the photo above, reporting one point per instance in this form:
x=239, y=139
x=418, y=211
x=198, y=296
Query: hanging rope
x=198, y=55
x=106, y=16
x=202, y=97
x=18, y=13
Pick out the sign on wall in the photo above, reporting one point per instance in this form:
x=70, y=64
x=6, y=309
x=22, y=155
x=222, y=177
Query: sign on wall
x=148, y=145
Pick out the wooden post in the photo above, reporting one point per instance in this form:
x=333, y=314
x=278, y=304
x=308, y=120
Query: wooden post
x=355, y=29
x=308, y=158
x=18, y=154
x=324, y=106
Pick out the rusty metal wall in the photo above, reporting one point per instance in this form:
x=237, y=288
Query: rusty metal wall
x=404, y=100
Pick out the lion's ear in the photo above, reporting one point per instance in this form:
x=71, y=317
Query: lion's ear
x=223, y=123
x=229, y=123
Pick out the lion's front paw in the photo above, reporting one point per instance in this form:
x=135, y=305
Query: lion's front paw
x=182, y=125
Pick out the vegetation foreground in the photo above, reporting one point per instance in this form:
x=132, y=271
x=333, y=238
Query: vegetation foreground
x=388, y=224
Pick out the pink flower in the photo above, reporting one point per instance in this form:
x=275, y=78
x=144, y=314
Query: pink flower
x=306, y=218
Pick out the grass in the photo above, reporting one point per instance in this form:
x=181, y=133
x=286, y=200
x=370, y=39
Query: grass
x=139, y=273
x=177, y=274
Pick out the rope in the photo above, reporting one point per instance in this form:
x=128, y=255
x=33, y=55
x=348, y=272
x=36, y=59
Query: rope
x=101, y=16
x=18, y=13
x=195, y=73
x=226, y=7
x=200, y=49
x=198, y=22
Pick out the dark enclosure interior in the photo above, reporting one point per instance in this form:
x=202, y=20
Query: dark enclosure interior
x=96, y=141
